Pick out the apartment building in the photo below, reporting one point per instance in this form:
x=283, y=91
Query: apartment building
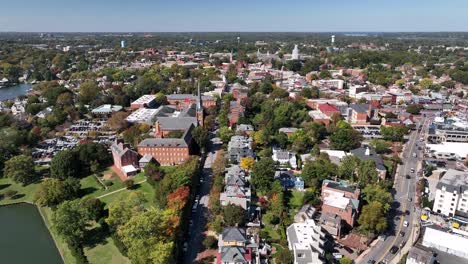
x=451, y=198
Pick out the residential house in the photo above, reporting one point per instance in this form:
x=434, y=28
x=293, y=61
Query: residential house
x=367, y=153
x=235, y=247
x=239, y=147
x=288, y=130
x=284, y=157
x=289, y=181
x=306, y=240
x=244, y=129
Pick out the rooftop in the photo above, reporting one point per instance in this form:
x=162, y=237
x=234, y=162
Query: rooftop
x=145, y=99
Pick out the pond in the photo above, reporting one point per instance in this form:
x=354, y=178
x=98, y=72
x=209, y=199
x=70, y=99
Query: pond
x=24, y=238
x=10, y=93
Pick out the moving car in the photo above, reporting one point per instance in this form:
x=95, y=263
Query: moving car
x=412, y=170
x=408, y=176
x=394, y=250
x=405, y=223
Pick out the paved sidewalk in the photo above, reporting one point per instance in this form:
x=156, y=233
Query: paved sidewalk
x=119, y=190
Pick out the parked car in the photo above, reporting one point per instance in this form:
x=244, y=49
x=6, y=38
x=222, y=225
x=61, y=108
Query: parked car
x=394, y=250
x=405, y=223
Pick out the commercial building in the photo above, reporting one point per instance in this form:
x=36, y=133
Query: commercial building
x=418, y=255
x=450, y=243
x=451, y=198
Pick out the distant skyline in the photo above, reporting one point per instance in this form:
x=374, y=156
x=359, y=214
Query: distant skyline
x=234, y=16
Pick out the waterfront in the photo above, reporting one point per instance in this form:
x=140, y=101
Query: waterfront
x=10, y=93
x=25, y=238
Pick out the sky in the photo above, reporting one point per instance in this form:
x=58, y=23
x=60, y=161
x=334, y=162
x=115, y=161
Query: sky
x=233, y=15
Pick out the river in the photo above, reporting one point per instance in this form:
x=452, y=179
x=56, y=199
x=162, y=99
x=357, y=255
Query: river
x=10, y=93
x=24, y=238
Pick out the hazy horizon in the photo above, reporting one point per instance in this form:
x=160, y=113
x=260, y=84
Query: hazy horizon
x=242, y=16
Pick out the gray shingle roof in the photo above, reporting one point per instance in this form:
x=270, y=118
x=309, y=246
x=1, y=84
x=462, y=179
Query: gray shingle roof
x=234, y=234
x=361, y=154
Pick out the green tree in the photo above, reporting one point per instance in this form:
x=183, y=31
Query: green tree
x=122, y=211
x=88, y=92
x=375, y=192
x=372, y=218
x=233, y=214
x=200, y=135
x=20, y=169
x=71, y=221
x=64, y=165
x=143, y=235
x=263, y=174
x=381, y=146
x=52, y=192
x=346, y=139
x=346, y=260
x=367, y=172
x=425, y=83
x=225, y=134
x=414, y=109
x=394, y=133
x=118, y=121
x=283, y=255
x=348, y=168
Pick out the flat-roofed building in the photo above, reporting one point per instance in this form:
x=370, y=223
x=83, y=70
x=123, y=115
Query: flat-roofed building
x=451, y=198
x=145, y=101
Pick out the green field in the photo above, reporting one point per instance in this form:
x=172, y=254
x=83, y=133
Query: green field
x=24, y=193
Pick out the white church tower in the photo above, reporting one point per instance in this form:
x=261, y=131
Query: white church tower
x=295, y=53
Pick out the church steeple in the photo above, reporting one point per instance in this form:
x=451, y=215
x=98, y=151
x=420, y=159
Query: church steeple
x=199, y=98
x=199, y=112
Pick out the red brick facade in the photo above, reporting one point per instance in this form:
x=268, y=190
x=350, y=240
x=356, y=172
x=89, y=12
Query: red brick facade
x=165, y=155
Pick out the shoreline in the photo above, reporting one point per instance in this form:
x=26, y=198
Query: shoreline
x=44, y=222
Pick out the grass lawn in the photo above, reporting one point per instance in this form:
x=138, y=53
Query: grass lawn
x=24, y=193
x=296, y=200
x=144, y=187
x=106, y=252
x=272, y=232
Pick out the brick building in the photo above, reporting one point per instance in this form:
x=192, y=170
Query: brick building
x=124, y=159
x=168, y=151
x=181, y=101
x=340, y=199
x=328, y=109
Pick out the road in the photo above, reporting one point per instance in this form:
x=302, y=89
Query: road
x=198, y=216
x=403, y=208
